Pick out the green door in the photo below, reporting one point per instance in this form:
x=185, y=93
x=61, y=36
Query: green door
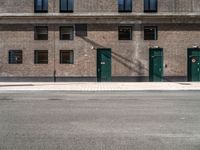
x=103, y=64
x=155, y=64
x=194, y=64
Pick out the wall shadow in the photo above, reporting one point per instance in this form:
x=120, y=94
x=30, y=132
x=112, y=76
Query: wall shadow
x=133, y=65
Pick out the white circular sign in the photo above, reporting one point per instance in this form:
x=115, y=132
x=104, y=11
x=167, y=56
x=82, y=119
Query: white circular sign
x=193, y=60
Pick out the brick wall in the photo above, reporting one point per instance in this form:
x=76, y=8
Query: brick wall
x=27, y=6
x=129, y=58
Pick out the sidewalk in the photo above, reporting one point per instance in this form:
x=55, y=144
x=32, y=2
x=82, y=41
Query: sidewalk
x=94, y=86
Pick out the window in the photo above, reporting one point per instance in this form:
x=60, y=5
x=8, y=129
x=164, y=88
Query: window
x=150, y=5
x=41, y=6
x=66, y=33
x=125, y=33
x=66, y=5
x=125, y=5
x=81, y=29
x=66, y=57
x=41, y=33
x=41, y=57
x=15, y=57
x=150, y=33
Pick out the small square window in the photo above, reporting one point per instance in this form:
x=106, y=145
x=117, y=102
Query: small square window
x=15, y=57
x=125, y=33
x=41, y=57
x=150, y=5
x=66, y=57
x=66, y=6
x=150, y=33
x=41, y=6
x=125, y=5
x=41, y=33
x=66, y=33
x=81, y=29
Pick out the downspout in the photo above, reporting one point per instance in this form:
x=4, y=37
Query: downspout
x=54, y=61
x=54, y=47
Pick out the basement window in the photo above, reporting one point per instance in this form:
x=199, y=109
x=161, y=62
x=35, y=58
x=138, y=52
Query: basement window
x=41, y=56
x=125, y=5
x=150, y=5
x=125, y=33
x=66, y=33
x=41, y=33
x=15, y=57
x=41, y=6
x=66, y=57
x=66, y=5
x=150, y=33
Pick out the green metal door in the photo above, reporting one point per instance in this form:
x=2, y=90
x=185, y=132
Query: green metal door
x=155, y=64
x=103, y=65
x=194, y=64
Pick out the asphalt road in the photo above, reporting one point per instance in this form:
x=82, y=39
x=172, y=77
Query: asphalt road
x=100, y=121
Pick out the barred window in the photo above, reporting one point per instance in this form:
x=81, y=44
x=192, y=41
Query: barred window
x=41, y=33
x=15, y=57
x=66, y=56
x=125, y=33
x=41, y=57
x=66, y=33
x=150, y=33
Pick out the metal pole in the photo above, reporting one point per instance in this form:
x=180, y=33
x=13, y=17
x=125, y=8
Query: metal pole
x=54, y=47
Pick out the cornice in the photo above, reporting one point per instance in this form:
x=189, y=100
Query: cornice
x=101, y=15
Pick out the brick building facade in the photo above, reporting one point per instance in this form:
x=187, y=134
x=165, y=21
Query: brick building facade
x=99, y=40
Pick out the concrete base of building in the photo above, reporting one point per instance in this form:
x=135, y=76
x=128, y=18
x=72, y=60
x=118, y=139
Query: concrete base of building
x=175, y=79
x=90, y=79
x=130, y=79
x=48, y=79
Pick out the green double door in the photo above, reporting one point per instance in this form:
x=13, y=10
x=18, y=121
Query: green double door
x=104, y=71
x=194, y=64
x=155, y=64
